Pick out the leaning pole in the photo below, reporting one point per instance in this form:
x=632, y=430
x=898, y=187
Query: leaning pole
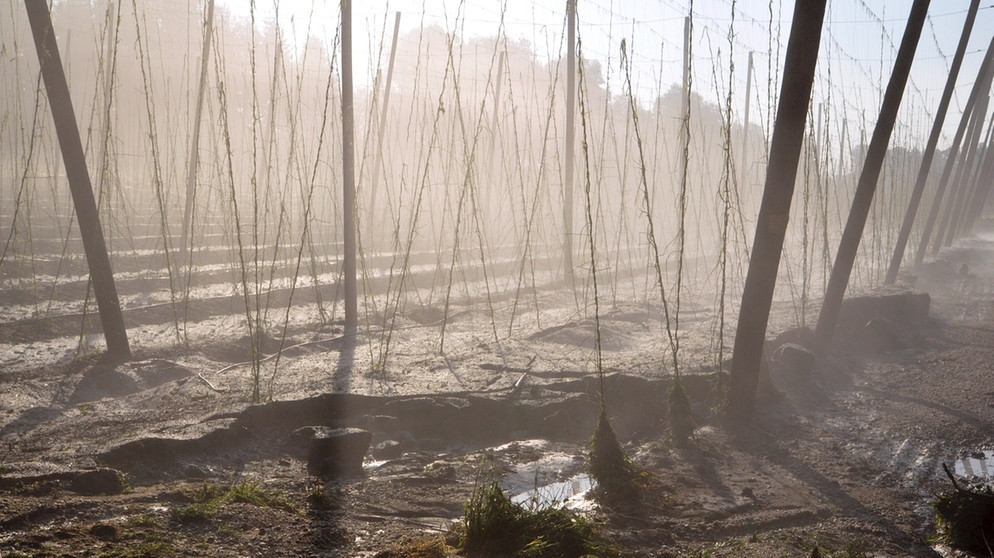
x=867, y=185
x=953, y=153
x=933, y=140
x=80, y=187
x=193, y=162
x=771, y=225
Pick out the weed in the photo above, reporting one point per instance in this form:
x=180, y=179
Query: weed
x=494, y=525
x=420, y=547
x=39, y=488
x=208, y=491
x=155, y=548
x=965, y=517
x=252, y=492
x=210, y=498
x=125, y=482
x=207, y=502
x=317, y=495
x=145, y=521
x=197, y=512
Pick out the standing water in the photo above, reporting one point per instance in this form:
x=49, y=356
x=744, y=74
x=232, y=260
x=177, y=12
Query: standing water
x=977, y=465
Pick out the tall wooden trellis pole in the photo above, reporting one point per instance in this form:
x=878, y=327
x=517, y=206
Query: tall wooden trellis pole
x=194, y=161
x=108, y=304
x=570, y=141
x=981, y=86
x=771, y=225
x=933, y=140
x=863, y=197
x=348, y=176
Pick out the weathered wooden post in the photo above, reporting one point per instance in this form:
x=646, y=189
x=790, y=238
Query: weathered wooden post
x=194, y=161
x=67, y=130
x=774, y=211
x=743, y=157
x=570, y=141
x=867, y=185
x=933, y=140
x=381, y=130
x=984, y=180
x=978, y=85
x=348, y=175
x=964, y=177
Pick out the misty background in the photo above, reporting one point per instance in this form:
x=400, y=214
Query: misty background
x=461, y=175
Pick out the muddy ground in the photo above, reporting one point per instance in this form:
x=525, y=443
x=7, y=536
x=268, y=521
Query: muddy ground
x=101, y=459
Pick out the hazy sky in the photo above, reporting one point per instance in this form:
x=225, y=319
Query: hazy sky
x=858, y=47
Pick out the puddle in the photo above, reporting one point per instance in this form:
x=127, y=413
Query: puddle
x=978, y=465
x=374, y=464
x=572, y=493
x=549, y=468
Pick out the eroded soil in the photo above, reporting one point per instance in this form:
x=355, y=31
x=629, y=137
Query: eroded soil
x=846, y=457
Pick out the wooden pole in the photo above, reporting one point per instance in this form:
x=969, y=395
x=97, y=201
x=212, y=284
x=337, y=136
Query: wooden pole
x=984, y=178
x=570, y=141
x=194, y=160
x=381, y=130
x=771, y=225
x=500, y=81
x=348, y=175
x=67, y=130
x=963, y=180
x=866, y=187
x=978, y=85
x=933, y=140
x=103, y=159
x=745, y=123
x=962, y=222
x=492, y=189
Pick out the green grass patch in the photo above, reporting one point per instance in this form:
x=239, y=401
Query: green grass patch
x=144, y=521
x=965, y=517
x=155, y=548
x=210, y=498
x=252, y=492
x=419, y=547
x=496, y=526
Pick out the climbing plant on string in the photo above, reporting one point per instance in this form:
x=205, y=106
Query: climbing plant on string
x=680, y=430
x=611, y=468
x=308, y=202
x=467, y=194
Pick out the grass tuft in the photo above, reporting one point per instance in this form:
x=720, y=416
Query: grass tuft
x=419, y=547
x=965, y=517
x=496, y=526
x=210, y=498
x=252, y=492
